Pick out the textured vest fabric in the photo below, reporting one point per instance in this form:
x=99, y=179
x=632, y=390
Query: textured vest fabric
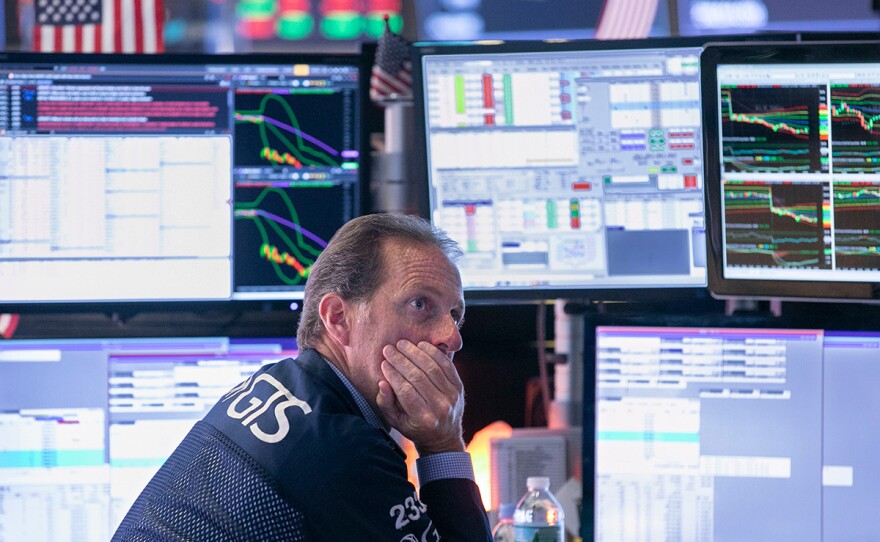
x=287, y=455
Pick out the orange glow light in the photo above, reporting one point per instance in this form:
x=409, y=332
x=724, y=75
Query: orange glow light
x=479, y=450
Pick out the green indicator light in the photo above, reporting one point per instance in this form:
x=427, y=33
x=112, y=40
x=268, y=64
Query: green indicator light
x=312, y=184
x=656, y=147
x=656, y=133
x=349, y=165
x=657, y=141
x=374, y=25
x=295, y=26
x=653, y=170
x=255, y=9
x=607, y=180
x=311, y=91
x=342, y=25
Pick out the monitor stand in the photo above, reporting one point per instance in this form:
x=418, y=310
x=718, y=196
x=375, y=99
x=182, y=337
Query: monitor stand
x=753, y=306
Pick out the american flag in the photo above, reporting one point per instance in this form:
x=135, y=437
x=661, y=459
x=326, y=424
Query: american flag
x=626, y=19
x=391, y=78
x=98, y=26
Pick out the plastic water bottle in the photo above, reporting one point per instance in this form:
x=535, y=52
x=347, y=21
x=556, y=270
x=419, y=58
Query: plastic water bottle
x=538, y=516
x=503, y=531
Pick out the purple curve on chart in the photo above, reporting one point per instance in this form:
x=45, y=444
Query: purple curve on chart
x=290, y=128
x=297, y=227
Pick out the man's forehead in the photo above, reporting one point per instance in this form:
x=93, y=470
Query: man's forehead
x=400, y=252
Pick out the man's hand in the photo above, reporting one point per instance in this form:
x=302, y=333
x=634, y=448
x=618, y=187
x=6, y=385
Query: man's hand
x=422, y=396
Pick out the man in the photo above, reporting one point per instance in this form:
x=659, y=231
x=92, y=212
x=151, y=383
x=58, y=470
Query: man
x=301, y=450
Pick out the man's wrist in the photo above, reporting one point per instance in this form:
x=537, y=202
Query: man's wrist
x=440, y=447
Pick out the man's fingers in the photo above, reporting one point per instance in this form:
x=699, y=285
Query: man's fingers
x=411, y=371
x=387, y=403
x=425, y=363
x=408, y=396
x=428, y=403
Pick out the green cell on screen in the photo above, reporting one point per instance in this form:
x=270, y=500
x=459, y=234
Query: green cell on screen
x=256, y=9
x=374, y=23
x=552, y=215
x=295, y=25
x=342, y=25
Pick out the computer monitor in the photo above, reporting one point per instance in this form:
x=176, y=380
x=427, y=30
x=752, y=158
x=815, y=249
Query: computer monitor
x=721, y=433
x=442, y=20
x=161, y=178
x=85, y=423
x=792, y=169
x=566, y=168
x=311, y=25
x=706, y=17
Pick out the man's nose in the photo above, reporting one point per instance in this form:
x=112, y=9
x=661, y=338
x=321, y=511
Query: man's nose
x=448, y=337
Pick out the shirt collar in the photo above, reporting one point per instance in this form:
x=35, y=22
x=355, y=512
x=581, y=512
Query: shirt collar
x=366, y=410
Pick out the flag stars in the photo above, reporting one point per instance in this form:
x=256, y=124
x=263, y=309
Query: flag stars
x=62, y=12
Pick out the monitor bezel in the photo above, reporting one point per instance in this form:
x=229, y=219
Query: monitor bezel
x=272, y=300
x=636, y=292
x=759, y=54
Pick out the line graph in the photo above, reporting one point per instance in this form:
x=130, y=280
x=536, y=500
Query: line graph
x=777, y=224
x=774, y=129
x=857, y=224
x=855, y=128
x=286, y=130
x=280, y=231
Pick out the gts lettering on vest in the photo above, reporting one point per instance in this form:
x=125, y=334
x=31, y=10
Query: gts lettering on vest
x=258, y=404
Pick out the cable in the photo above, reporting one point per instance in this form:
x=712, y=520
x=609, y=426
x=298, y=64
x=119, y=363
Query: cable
x=540, y=322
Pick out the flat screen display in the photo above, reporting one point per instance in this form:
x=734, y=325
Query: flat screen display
x=707, y=433
x=793, y=170
x=85, y=423
x=439, y=20
x=703, y=17
x=566, y=167
x=152, y=178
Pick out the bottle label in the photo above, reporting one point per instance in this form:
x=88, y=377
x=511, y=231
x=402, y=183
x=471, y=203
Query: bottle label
x=524, y=533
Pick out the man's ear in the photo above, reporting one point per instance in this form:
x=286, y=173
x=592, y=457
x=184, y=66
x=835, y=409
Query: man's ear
x=336, y=315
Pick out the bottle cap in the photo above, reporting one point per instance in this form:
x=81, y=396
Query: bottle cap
x=538, y=482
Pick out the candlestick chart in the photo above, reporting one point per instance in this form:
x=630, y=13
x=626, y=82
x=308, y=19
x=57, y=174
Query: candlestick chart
x=289, y=130
x=279, y=232
x=777, y=224
x=857, y=225
x=774, y=129
x=855, y=128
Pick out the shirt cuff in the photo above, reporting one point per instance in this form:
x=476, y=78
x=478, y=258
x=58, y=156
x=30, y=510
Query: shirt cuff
x=445, y=465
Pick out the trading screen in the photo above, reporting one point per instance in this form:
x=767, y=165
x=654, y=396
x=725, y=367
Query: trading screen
x=568, y=169
x=177, y=179
x=713, y=434
x=799, y=171
x=85, y=423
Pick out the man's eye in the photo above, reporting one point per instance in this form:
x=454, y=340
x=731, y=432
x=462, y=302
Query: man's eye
x=418, y=304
